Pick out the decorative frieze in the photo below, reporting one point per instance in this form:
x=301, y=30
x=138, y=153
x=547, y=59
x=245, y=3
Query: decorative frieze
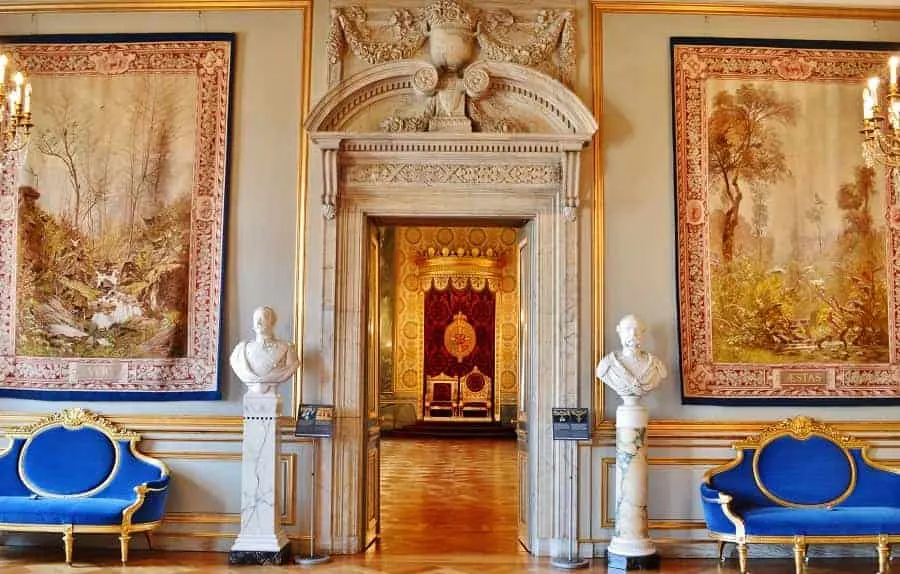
x=429, y=173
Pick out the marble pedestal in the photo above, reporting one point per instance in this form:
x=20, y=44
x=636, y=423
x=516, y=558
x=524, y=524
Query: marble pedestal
x=631, y=547
x=262, y=539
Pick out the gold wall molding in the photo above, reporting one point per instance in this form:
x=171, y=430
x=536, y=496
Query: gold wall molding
x=738, y=430
x=170, y=423
x=201, y=518
x=288, y=460
x=304, y=6
x=608, y=463
x=747, y=9
x=37, y=7
x=598, y=9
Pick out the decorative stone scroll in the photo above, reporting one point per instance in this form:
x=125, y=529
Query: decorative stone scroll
x=547, y=43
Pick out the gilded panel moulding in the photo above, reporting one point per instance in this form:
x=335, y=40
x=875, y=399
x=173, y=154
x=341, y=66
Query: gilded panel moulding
x=410, y=173
x=543, y=39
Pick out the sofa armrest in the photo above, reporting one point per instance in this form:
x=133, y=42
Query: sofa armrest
x=717, y=511
x=149, y=503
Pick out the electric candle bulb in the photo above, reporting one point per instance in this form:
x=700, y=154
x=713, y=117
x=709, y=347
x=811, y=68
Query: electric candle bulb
x=873, y=88
x=868, y=105
x=893, y=63
x=3, y=61
x=26, y=106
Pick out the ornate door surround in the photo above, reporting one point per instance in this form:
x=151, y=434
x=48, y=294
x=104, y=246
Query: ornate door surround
x=531, y=174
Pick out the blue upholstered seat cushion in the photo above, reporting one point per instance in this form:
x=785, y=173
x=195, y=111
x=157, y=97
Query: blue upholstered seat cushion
x=806, y=472
x=94, y=511
x=59, y=461
x=839, y=521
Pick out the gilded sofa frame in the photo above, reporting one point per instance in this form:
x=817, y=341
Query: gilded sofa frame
x=800, y=427
x=72, y=419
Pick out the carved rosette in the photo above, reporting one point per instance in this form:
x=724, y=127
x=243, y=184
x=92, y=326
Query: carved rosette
x=425, y=80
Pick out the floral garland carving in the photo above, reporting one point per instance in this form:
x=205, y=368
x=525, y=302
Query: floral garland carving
x=349, y=29
x=552, y=32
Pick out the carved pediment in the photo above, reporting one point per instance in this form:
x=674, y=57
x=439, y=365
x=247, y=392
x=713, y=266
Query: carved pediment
x=405, y=96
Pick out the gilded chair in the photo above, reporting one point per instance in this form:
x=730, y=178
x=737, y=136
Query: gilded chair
x=440, y=396
x=475, y=395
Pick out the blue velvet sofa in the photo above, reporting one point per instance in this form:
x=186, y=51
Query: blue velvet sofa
x=75, y=472
x=802, y=482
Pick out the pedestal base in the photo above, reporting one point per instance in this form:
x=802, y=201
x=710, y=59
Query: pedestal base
x=261, y=557
x=622, y=563
x=567, y=563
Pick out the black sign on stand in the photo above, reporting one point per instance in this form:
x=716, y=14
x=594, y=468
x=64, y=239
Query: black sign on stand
x=571, y=423
x=315, y=421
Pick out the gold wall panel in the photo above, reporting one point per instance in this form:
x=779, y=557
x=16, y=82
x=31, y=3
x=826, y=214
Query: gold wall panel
x=409, y=351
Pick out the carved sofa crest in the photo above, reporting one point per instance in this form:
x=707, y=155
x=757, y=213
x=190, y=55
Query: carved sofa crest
x=802, y=482
x=75, y=472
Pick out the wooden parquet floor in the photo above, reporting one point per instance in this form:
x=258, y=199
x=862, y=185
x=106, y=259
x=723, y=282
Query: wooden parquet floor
x=448, y=507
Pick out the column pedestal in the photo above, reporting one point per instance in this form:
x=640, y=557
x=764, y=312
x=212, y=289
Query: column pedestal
x=631, y=547
x=262, y=539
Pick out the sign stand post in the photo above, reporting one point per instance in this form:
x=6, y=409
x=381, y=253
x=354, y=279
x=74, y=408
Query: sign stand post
x=570, y=424
x=314, y=421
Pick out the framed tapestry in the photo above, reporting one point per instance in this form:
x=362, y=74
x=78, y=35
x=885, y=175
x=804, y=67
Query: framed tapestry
x=788, y=243
x=112, y=222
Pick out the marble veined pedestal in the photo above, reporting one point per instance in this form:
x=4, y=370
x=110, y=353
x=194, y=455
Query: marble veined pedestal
x=262, y=539
x=631, y=547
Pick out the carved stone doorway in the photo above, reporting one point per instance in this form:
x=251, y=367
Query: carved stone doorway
x=531, y=176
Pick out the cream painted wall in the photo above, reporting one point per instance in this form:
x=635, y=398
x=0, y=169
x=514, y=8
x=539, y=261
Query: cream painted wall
x=639, y=193
x=262, y=199
x=204, y=503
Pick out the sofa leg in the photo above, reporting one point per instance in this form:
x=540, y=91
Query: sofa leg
x=799, y=557
x=721, y=549
x=742, y=556
x=149, y=536
x=69, y=542
x=123, y=542
x=884, y=553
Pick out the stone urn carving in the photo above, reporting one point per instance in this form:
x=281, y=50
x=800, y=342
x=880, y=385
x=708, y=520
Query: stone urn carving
x=451, y=48
x=451, y=34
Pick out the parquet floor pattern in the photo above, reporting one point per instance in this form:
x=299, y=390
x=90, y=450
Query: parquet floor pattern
x=448, y=507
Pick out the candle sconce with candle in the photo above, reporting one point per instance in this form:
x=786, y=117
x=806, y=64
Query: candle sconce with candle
x=881, y=124
x=15, y=108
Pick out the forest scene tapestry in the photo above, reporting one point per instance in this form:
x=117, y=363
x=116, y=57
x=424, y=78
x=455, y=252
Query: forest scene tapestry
x=787, y=240
x=113, y=224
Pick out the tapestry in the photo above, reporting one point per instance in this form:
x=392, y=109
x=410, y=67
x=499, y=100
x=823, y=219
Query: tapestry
x=788, y=240
x=112, y=229
x=443, y=310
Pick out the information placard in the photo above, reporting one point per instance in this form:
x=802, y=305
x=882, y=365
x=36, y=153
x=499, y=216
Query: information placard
x=315, y=421
x=571, y=423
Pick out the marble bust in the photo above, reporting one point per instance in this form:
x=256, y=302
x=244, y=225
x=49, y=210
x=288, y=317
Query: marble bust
x=264, y=361
x=632, y=372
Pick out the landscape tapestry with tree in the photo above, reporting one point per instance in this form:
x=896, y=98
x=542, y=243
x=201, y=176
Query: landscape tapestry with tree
x=786, y=238
x=119, y=219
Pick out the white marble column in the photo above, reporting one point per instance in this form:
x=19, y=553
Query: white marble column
x=631, y=547
x=262, y=539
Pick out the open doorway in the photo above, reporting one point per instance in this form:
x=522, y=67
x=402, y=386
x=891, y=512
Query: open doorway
x=447, y=371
